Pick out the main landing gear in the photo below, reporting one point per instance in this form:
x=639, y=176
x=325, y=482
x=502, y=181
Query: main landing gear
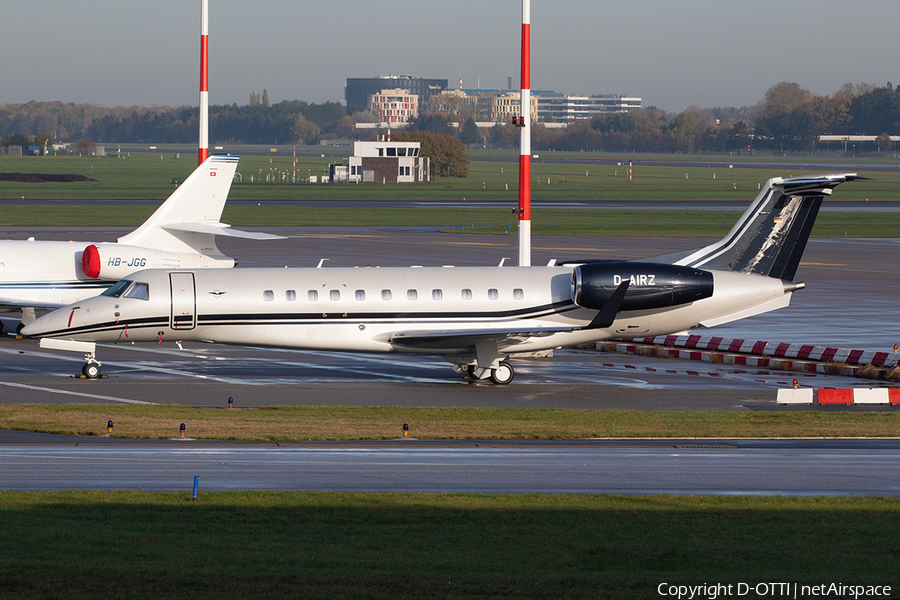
x=502, y=375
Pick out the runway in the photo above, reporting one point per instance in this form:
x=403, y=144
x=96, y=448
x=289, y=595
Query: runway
x=729, y=467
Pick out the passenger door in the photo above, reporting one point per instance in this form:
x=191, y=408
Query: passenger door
x=184, y=303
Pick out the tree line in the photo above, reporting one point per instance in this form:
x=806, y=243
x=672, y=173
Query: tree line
x=787, y=119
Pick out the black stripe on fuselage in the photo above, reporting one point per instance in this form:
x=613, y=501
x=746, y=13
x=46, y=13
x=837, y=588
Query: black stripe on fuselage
x=326, y=318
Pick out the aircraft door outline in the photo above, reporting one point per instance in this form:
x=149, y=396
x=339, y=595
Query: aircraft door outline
x=183, y=301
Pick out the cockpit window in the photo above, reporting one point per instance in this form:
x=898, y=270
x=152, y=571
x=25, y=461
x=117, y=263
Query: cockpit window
x=139, y=291
x=117, y=289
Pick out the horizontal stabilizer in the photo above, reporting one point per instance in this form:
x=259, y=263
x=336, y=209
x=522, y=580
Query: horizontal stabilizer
x=220, y=229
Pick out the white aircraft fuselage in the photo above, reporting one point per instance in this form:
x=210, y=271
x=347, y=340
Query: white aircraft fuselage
x=472, y=316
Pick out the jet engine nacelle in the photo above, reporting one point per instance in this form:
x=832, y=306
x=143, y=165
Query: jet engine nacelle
x=115, y=261
x=651, y=285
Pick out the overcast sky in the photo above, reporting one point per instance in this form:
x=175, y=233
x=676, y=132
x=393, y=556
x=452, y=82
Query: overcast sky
x=671, y=53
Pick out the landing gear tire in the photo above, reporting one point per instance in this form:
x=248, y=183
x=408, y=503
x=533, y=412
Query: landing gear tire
x=503, y=374
x=470, y=370
x=91, y=370
x=19, y=328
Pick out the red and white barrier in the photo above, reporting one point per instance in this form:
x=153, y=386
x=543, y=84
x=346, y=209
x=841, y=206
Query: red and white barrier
x=845, y=396
x=775, y=349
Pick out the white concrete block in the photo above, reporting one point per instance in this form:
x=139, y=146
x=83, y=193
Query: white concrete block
x=792, y=396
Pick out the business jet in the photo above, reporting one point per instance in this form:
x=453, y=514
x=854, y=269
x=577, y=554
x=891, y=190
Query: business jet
x=180, y=234
x=472, y=316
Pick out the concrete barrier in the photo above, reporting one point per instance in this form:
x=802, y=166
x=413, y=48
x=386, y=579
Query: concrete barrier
x=834, y=396
x=871, y=396
x=792, y=396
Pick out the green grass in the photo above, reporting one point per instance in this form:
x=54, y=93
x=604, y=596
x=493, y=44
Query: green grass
x=650, y=223
x=384, y=422
x=146, y=175
x=125, y=545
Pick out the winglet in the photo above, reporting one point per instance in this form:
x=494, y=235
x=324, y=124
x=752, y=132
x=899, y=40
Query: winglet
x=608, y=313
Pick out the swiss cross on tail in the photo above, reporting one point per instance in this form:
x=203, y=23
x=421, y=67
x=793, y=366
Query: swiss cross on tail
x=212, y=173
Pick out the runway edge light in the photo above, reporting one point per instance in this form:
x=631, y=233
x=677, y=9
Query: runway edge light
x=405, y=429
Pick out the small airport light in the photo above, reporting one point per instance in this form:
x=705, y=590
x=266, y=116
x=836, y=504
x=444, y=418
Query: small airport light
x=109, y=427
x=230, y=402
x=181, y=429
x=405, y=429
x=196, y=482
x=795, y=384
x=895, y=348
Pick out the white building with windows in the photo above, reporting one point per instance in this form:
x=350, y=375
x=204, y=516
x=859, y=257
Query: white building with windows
x=389, y=162
x=562, y=108
x=394, y=106
x=509, y=104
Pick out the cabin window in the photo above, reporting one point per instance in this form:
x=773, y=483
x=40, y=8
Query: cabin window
x=290, y=295
x=385, y=294
x=360, y=295
x=437, y=294
x=335, y=295
x=268, y=295
x=467, y=294
x=139, y=291
x=493, y=294
x=117, y=288
x=518, y=293
x=411, y=294
x=312, y=295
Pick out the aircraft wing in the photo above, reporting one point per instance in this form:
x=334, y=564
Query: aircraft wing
x=219, y=229
x=17, y=303
x=453, y=339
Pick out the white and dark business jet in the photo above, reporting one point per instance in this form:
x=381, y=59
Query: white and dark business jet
x=472, y=316
x=179, y=234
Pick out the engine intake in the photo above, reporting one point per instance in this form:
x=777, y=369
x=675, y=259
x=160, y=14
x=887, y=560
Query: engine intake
x=651, y=285
x=115, y=261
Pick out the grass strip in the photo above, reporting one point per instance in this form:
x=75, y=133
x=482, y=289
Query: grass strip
x=125, y=545
x=572, y=178
x=280, y=423
x=639, y=223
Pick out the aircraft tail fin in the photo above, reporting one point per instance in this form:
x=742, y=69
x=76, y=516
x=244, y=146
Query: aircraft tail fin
x=770, y=237
x=188, y=221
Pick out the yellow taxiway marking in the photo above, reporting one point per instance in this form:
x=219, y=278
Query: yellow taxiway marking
x=815, y=264
x=574, y=249
x=470, y=244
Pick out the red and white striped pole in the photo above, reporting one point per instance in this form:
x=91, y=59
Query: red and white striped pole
x=203, y=149
x=525, y=142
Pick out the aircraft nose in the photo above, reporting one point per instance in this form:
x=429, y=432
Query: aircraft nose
x=52, y=323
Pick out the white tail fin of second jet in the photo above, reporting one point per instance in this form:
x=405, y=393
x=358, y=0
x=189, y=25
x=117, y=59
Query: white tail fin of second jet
x=188, y=221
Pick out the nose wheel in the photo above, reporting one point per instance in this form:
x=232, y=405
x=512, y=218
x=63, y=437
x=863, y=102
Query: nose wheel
x=91, y=370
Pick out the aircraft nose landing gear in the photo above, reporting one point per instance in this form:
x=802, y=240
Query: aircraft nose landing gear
x=91, y=369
